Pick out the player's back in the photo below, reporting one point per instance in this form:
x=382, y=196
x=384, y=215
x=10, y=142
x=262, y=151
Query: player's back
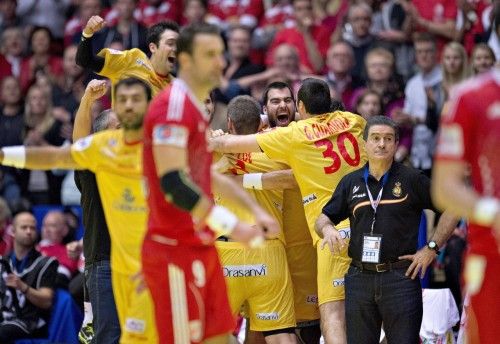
x=320, y=150
x=175, y=118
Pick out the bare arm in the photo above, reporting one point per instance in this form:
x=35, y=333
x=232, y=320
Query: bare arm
x=41, y=297
x=279, y=180
x=234, y=144
x=83, y=119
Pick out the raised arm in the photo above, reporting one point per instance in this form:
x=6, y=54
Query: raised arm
x=84, y=55
x=83, y=119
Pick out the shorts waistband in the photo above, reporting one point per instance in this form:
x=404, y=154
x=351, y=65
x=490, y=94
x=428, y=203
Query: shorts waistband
x=382, y=267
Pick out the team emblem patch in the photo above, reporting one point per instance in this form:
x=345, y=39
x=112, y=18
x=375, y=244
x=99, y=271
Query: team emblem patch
x=82, y=144
x=396, y=190
x=170, y=134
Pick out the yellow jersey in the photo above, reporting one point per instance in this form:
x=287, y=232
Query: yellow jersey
x=270, y=200
x=118, y=170
x=295, y=226
x=131, y=63
x=320, y=150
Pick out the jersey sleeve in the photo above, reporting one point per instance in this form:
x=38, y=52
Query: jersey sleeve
x=277, y=143
x=84, y=152
x=337, y=208
x=116, y=61
x=166, y=128
x=455, y=126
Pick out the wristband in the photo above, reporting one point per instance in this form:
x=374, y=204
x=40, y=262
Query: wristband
x=14, y=156
x=221, y=220
x=485, y=211
x=86, y=35
x=252, y=181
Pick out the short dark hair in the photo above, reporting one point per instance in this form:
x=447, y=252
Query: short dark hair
x=381, y=120
x=244, y=112
x=276, y=85
x=424, y=37
x=155, y=31
x=315, y=94
x=337, y=105
x=131, y=82
x=188, y=33
x=101, y=121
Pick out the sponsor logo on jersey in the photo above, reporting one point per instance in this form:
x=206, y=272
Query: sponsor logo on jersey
x=114, y=51
x=312, y=299
x=339, y=282
x=126, y=203
x=494, y=110
x=267, y=316
x=135, y=325
x=244, y=270
x=361, y=195
x=83, y=143
x=174, y=135
x=309, y=199
x=451, y=141
x=355, y=189
x=143, y=63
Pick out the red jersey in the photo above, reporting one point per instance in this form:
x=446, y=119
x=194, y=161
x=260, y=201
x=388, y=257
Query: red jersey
x=437, y=11
x=175, y=117
x=470, y=133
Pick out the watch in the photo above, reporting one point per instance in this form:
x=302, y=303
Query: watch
x=433, y=246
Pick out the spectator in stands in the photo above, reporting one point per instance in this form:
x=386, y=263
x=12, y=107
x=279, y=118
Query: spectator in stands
x=75, y=24
x=358, y=35
x=195, y=11
x=470, y=28
x=310, y=39
x=68, y=91
x=46, y=13
x=238, y=62
x=494, y=37
x=11, y=49
x=340, y=61
x=43, y=186
x=155, y=11
x=54, y=231
x=41, y=59
x=6, y=234
x=11, y=133
x=482, y=58
x=455, y=67
x=224, y=13
x=32, y=279
x=424, y=97
x=124, y=28
x=278, y=15
x=369, y=104
x=437, y=17
x=8, y=16
x=394, y=31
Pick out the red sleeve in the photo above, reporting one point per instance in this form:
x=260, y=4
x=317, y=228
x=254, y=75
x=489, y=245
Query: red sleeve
x=450, y=9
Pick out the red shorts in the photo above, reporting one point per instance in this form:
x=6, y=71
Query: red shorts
x=188, y=291
x=483, y=316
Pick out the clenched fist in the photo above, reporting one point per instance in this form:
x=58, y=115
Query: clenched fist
x=94, y=24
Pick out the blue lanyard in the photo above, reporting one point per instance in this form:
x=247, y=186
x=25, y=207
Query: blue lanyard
x=375, y=203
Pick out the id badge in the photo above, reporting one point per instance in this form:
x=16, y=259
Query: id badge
x=371, y=248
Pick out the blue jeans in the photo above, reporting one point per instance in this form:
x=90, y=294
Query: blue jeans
x=390, y=298
x=98, y=282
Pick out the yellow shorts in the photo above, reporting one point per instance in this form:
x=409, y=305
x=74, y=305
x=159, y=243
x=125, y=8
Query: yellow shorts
x=135, y=311
x=302, y=262
x=331, y=271
x=260, y=279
